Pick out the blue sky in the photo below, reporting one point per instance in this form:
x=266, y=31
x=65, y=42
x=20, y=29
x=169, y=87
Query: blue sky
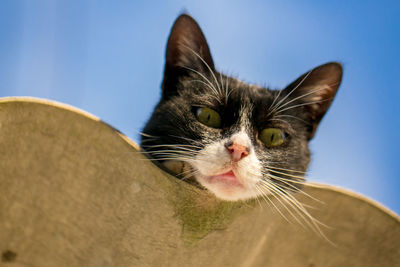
x=107, y=58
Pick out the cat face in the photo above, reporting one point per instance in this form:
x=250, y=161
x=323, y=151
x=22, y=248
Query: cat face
x=237, y=140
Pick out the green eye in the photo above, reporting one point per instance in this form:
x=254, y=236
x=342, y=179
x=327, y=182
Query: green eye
x=272, y=136
x=208, y=117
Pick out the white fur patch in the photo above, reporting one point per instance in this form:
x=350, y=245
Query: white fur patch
x=215, y=159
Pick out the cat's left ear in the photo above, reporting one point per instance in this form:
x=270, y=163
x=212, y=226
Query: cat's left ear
x=187, y=52
x=315, y=91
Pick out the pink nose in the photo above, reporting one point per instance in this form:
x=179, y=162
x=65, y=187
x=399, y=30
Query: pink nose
x=237, y=151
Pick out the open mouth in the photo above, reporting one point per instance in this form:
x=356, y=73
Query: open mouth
x=228, y=178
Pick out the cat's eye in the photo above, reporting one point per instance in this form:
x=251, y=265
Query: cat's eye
x=272, y=137
x=208, y=117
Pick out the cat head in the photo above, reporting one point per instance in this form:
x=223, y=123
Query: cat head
x=237, y=140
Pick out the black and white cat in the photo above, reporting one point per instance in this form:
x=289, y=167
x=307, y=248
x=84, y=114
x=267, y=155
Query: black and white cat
x=238, y=141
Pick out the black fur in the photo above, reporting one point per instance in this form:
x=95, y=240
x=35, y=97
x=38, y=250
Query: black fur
x=189, y=61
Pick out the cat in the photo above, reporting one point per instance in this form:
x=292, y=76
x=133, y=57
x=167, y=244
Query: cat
x=237, y=140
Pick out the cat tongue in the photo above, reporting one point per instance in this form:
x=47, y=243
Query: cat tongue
x=227, y=178
x=229, y=174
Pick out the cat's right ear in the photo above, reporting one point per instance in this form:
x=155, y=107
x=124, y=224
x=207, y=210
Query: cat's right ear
x=187, y=51
x=314, y=91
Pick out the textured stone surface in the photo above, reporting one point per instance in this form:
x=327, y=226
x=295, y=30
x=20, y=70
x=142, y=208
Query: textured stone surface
x=76, y=192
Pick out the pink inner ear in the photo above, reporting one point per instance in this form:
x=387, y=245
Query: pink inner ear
x=319, y=93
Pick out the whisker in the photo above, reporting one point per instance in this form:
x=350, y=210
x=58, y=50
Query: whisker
x=296, y=209
x=286, y=174
x=173, y=145
x=227, y=88
x=227, y=92
x=146, y=135
x=303, y=104
x=268, y=200
x=188, y=139
x=277, y=196
x=209, y=86
x=190, y=170
x=205, y=78
x=258, y=194
x=293, y=117
x=294, y=89
x=224, y=87
x=263, y=195
x=214, y=95
x=278, y=120
x=275, y=98
x=292, y=187
x=290, y=180
x=316, y=223
x=301, y=96
x=189, y=173
x=148, y=139
x=221, y=82
x=169, y=154
x=301, y=207
x=276, y=168
x=170, y=151
x=300, y=210
x=168, y=158
x=297, y=179
x=208, y=67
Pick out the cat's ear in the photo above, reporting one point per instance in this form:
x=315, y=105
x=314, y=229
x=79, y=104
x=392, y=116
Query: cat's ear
x=315, y=91
x=187, y=51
